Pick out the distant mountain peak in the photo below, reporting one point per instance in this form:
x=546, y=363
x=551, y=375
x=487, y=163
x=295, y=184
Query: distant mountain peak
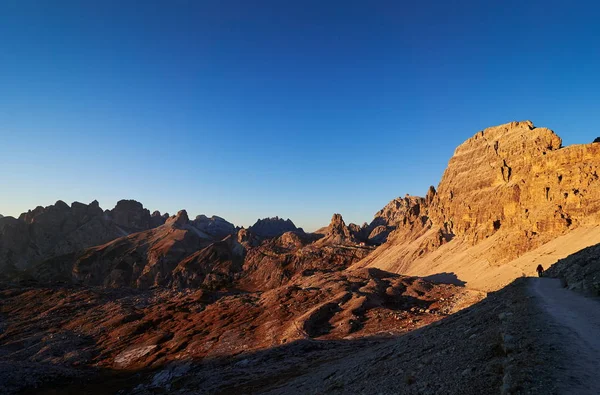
x=272, y=227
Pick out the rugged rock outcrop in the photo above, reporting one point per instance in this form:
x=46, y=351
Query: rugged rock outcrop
x=272, y=227
x=215, y=226
x=518, y=179
x=54, y=230
x=507, y=190
x=360, y=233
x=579, y=271
x=46, y=233
x=213, y=267
x=156, y=219
x=156, y=257
x=294, y=254
x=337, y=233
x=131, y=216
x=247, y=239
x=400, y=212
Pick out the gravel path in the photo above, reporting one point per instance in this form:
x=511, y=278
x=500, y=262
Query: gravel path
x=574, y=320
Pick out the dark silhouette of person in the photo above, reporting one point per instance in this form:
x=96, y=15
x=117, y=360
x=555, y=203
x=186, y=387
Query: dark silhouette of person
x=540, y=270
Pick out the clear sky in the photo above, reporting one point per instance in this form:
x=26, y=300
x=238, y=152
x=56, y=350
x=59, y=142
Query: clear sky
x=300, y=109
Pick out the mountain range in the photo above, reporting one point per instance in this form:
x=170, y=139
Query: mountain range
x=127, y=290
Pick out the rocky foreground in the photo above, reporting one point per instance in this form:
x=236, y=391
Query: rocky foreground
x=77, y=333
x=97, y=342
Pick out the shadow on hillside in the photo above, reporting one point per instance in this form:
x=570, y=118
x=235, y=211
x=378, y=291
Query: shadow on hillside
x=268, y=369
x=445, y=278
x=579, y=271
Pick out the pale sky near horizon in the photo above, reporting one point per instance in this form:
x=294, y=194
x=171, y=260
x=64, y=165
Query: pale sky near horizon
x=257, y=109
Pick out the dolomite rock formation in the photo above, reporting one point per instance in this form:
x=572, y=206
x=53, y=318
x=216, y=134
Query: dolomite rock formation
x=215, y=226
x=156, y=219
x=140, y=260
x=131, y=216
x=50, y=231
x=292, y=255
x=507, y=190
x=45, y=233
x=400, y=212
x=519, y=178
x=337, y=232
x=272, y=227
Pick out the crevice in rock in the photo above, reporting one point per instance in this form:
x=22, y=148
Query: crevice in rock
x=506, y=171
x=497, y=224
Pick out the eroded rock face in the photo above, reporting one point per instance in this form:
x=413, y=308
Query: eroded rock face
x=279, y=260
x=131, y=216
x=54, y=230
x=516, y=178
x=213, y=267
x=272, y=227
x=175, y=254
x=400, y=212
x=215, y=226
x=337, y=233
x=157, y=219
x=580, y=271
x=47, y=232
x=514, y=182
x=140, y=260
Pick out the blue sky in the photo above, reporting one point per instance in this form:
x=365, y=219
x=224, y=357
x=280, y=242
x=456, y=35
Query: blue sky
x=292, y=108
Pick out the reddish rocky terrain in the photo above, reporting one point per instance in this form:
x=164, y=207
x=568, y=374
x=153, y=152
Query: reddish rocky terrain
x=53, y=332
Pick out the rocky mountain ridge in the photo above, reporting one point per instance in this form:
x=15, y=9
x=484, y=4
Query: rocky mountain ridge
x=506, y=191
x=56, y=230
x=165, y=292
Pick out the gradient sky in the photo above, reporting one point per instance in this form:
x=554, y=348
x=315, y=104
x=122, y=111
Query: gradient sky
x=300, y=109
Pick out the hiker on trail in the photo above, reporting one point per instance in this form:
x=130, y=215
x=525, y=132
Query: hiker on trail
x=540, y=270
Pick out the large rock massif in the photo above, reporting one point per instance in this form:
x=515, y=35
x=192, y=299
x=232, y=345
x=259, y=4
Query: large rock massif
x=507, y=191
x=272, y=227
x=175, y=254
x=57, y=232
x=60, y=229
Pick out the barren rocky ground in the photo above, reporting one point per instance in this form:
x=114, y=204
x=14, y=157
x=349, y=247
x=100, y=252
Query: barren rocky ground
x=505, y=343
x=74, y=332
